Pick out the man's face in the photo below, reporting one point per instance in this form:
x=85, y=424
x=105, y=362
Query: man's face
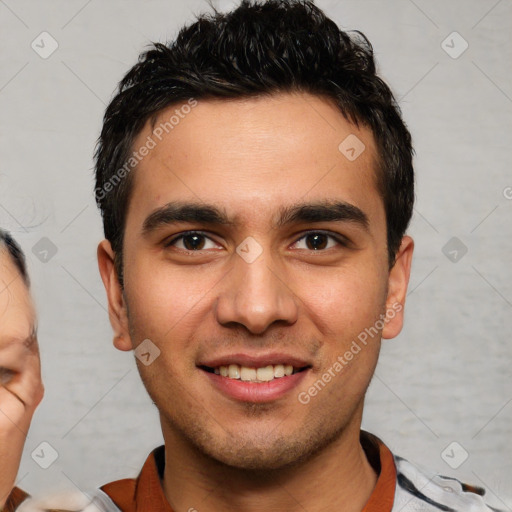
x=265, y=289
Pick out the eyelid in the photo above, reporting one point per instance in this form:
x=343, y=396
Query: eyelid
x=169, y=243
x=339, y=238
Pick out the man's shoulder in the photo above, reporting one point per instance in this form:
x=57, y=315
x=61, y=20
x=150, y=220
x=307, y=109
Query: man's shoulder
x=418, y=489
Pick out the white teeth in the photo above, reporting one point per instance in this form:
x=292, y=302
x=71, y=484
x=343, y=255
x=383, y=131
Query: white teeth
x=247, y=374
x=278, y=370
x=234, y=371
x=265, y=374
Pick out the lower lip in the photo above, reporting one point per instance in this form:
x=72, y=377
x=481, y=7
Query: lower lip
x=256, y=391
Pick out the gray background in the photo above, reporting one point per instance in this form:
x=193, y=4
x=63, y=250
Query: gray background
x=446, y=378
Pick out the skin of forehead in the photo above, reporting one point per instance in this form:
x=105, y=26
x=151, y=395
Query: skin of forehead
x=17, y=314
x=322, y=111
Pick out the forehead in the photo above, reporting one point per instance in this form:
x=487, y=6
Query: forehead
x=16, y=307
x=263, y=151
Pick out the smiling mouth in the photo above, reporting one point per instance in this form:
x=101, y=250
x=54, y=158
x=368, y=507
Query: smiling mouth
x=258, y=375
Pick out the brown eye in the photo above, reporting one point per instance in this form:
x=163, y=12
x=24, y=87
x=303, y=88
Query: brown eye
x=318, y=241
x=191, y=241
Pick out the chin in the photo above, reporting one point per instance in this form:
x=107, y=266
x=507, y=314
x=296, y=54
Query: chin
x=262, y=453
x=256, y=459
x=254, y=443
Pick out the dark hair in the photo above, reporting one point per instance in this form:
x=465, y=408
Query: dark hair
x=260, y=48
x=16, y=254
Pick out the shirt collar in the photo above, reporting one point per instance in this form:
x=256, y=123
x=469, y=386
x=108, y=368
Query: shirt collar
x=382, y=461
x=145, y=494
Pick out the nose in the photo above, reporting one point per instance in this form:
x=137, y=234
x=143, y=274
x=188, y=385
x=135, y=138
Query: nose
x=256, y=294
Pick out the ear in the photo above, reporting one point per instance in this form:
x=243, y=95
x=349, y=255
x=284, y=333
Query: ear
x=398, y=281
x=116, y=303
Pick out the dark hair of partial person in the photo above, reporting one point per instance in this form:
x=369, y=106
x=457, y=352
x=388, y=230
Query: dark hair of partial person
x=258, y=49
x=15, y=253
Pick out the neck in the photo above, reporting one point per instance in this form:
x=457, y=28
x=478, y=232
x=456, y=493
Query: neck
x=337, y=478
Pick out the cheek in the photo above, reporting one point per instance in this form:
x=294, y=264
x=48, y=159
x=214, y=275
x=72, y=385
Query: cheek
x=164, y=304
x=154, y=298
x=343, y=301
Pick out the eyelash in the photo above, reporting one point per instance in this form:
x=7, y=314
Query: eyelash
x=340, y=239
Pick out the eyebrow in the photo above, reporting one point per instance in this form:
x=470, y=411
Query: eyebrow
x=32, y=337
x=27, y=341
x=315, y=212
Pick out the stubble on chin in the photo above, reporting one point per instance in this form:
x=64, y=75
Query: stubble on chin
x=251, y=449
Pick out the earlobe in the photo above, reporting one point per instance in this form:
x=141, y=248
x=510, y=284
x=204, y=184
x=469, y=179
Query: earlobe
x=398, y=282
x=122, y=343
x=116, y=303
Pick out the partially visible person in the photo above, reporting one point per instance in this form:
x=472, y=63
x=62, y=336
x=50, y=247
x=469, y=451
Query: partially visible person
x=21, y=388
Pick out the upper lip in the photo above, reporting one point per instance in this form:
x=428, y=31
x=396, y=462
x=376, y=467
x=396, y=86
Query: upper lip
x=254, y=361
